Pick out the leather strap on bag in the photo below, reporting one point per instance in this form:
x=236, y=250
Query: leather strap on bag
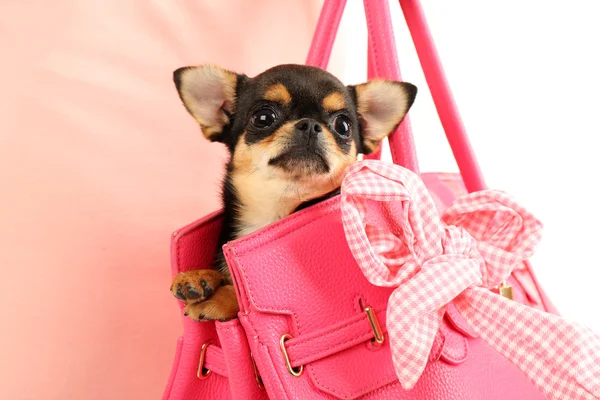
x=383, y=63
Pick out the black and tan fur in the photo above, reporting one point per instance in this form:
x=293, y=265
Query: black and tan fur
x=277, y=168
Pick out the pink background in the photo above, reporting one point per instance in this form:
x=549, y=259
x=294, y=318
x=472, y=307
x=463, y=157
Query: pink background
x=99, y=163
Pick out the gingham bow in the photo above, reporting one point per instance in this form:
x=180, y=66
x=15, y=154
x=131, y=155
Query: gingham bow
x=398, y=240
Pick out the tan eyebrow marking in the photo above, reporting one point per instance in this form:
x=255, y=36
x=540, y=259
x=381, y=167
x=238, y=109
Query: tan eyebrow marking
x=334, y=102
x=278, y=93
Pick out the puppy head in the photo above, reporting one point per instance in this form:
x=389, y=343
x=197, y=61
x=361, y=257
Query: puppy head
x=292, y=129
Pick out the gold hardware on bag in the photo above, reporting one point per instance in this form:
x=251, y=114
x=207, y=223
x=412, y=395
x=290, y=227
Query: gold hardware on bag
x=377, y=332
x=256, y=374
x=505, y=290
x=295, y=372
x=203, y=373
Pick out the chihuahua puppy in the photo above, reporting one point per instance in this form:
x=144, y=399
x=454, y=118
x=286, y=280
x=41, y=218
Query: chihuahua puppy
x=291, y=131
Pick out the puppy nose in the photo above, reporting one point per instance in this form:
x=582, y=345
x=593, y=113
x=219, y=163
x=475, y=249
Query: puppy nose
x=309, y=126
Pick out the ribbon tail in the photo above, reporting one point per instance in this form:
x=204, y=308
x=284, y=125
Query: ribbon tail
x=558, y=356
x=411, y=340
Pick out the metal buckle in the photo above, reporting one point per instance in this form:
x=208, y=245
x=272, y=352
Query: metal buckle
x=505, y=290
x=203, y=373
x=256, y=374
x=378, y=339
x=295, y=372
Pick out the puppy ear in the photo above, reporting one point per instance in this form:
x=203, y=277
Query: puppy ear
x=208, y=93
x=381, y=106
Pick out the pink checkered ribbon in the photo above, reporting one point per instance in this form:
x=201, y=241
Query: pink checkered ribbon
x=399, y=240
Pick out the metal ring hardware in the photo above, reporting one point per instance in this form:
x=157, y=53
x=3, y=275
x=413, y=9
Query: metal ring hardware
x=203, y=373
x=295, y=372
x=378, y=339
x=505, y=290
x=259, y=380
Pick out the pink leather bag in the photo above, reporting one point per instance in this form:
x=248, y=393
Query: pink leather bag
x=310, y=329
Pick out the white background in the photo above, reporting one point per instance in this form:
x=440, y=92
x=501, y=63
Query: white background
x=525, y=75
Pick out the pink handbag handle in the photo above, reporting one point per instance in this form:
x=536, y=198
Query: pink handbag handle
x=383, y=63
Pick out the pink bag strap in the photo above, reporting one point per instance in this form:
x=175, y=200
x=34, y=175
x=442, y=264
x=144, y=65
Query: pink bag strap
x=383, y=63
x=324, y=36
x=348, y=333
x=442, y=95
x=214, y=360
x=332, y=339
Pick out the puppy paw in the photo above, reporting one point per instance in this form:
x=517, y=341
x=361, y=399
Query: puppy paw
x=197, y=285
x=222, y=306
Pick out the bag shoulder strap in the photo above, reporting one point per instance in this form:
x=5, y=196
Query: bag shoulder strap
x=383, y=63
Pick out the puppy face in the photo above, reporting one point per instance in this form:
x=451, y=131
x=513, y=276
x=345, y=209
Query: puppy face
x=292, y=130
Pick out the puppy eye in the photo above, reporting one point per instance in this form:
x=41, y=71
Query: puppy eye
x=264, y=118
x=341, y=125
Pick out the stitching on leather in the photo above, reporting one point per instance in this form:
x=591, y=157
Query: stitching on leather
x=453, y=355
x=187, y=231
x=282, y=387
x=335, y=348
x=267, y=378
x=388, y=68
x=327, y=37
x=178, y=256
x=249, y=287
x=228, y=329
x=465, y=349
x=241, y=263
x=336, y=207
x=391, y=385
x=329, y=203
x=292, y=345
x=178, y=246
x=375, y=59
x=309, y=367
x=313, y=373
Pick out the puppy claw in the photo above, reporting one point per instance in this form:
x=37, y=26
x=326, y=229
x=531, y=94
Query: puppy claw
x=193, y=294
x=197, y=285
x=179, y=293
x=221, y=306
